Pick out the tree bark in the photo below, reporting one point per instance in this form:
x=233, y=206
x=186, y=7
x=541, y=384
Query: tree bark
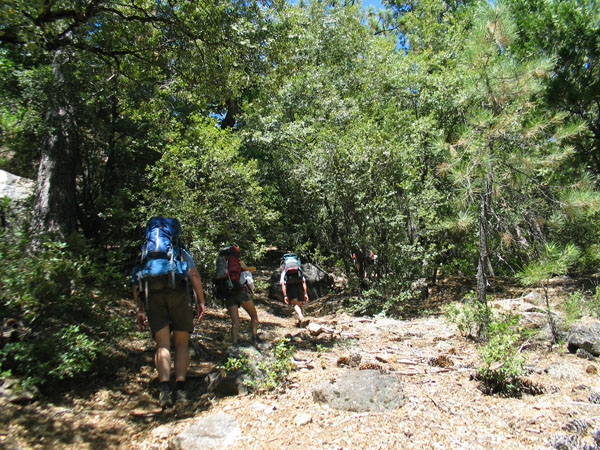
x=55, y=203
x=482, y=280
x=232, y=111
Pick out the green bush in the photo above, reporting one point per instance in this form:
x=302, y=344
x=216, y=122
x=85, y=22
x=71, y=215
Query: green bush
x=594, y=304
x=276, y=370
x=574, y=306
x=51, y=298
x=467, y=316
x=235, y=363
x=503, y=364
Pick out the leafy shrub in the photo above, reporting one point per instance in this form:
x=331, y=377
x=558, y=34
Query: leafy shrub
x=594, y=304
x=276, y=370
x=468, y=316
x=574, y=306
x=51, y=300
x=503, y=364
x=269, y=372
x=235, y=363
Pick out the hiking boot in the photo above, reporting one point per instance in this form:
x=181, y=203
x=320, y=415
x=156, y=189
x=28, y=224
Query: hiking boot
x=180, y=396
x=165, y=399
x=303, y=323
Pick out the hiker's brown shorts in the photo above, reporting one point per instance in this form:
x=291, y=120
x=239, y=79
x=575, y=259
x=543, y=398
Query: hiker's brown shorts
x=170, y=307
x=237, y=298
x=295, y=291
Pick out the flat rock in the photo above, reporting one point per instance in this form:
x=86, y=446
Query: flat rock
x=361, y=390
x=218, y=431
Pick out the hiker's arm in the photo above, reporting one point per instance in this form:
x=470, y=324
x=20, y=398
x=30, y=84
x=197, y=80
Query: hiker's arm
x=305, y=290
x=141, y=314
x=194, y=277
x=282, y=281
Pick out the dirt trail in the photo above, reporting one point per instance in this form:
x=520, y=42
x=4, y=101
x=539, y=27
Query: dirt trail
x=444, y=407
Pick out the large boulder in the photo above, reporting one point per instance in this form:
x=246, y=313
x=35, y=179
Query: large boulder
x=584, y=335
x=15, y=188
x=318, y=282
x=18, y=190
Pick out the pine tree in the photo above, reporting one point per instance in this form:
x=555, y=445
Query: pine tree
x=505, y=139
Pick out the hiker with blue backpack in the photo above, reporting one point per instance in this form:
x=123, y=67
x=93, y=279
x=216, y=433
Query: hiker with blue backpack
x=293, y=285
x=167, y=288
x=234, y=286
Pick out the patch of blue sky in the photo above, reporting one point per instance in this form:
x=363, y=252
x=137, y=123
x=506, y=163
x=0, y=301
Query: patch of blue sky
x=374, y=3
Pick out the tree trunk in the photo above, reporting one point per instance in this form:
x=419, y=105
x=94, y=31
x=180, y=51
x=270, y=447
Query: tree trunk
x=551, y=324
x=482, y=281
x=55, y=202
x=232, y=111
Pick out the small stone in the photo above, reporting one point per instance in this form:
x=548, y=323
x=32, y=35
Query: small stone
x=302, y=419
x=591, y=370
x=594, y=398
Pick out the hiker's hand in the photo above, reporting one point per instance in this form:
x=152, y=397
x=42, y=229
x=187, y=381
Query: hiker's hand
x=142, y=320
x=305, y=298
x=286, y=300
x=201, y=310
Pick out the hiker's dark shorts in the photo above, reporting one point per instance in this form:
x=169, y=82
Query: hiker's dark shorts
x=237, y=298
x=170, y=307
x=295, y=291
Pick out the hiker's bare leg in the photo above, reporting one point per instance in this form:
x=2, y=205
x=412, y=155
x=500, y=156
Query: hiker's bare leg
x=251, y=310
x=298, y=308
x=182, y=354
x=162, y=357
x=235, y=322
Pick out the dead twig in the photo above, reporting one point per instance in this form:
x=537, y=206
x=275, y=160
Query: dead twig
x=439, y=406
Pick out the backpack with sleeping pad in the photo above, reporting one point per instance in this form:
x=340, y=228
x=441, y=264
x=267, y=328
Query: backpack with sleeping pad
x=293, y=268
x=161, y=264
x=228, y=271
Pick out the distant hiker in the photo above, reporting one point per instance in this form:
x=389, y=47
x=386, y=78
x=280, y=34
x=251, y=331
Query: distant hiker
x=164, y=284
x=234, y=285
x=364, y=263
x=293, y=285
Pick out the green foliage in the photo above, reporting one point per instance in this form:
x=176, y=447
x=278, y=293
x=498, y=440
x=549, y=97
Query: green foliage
x=503, y=364
x=467, y=316
x=233, y=364
x=203, y=180
x=320, y=351
x=569, y=30
x=377, y=300
x=357, y=172
x=574, y=306
x=594, y=304
x=61, y=322
x=337, y=141
x=60, y=354
x=275, y=371
x=552, y=261
x=269, y=372
x=272, y=371
x=506, y=148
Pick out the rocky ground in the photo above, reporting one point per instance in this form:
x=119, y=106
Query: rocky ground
x=443, y=406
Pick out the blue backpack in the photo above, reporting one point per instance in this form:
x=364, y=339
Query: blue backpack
x=293, y=267
x=161, y=258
